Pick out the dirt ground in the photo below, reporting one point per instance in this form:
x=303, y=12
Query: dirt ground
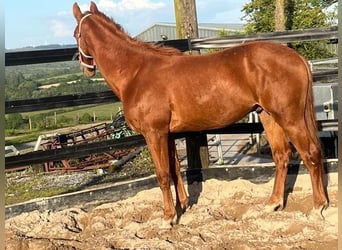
x=222, y=215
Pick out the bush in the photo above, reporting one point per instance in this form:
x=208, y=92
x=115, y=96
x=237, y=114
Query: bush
x=86, y=118
x=14, y=121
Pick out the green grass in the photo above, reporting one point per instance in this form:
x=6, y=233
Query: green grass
x=21, y=192
x=32, y=183
x=23, y=137
x=104, y=112
x=35, y=186
x=100, y=110
x=58, y=77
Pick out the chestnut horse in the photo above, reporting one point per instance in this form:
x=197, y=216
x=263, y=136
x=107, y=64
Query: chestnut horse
x=164, y=91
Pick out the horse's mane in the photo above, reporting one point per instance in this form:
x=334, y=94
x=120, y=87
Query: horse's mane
x=144, y=45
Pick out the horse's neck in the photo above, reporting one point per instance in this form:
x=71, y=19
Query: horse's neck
x=117, y=61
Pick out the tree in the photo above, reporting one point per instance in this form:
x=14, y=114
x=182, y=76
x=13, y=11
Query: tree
x=13, y=77
x=279, y=15
x=186, y=18
x=259, y=16
x=299, y=14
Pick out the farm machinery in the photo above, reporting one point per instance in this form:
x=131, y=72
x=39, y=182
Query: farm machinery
x=100, y=132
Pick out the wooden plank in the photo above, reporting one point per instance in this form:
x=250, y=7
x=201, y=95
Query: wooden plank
x=18, y=106
x=66, y=54
x=81, y=150
x=138, y=140
x=75, y=151
x=180, y=44
x=96, y=196
x=28, y=105
x=14, y=58
x=114, y=192
x=39, y=56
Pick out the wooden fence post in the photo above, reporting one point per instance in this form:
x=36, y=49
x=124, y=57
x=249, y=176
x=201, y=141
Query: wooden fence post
x=187, y=27
x=197, y=151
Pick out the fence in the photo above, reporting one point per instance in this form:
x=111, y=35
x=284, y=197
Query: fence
x=66, y=54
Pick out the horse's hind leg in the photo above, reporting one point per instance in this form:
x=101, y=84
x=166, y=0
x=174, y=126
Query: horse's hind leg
x=310, y=152
x=181, y=195
x=281, y=152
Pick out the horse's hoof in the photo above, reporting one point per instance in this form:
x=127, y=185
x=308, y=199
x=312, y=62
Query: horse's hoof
x=184, y=207
x=175, y=220
x=181, y=209
x=317, y=213
x=273, y=207
x=166, y=224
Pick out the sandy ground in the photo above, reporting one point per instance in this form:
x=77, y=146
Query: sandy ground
x=222, y=215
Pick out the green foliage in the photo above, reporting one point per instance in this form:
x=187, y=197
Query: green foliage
x=142, y=163
x=63, y=121
x=52, y=79
x=299, y=14
x=14, y=77
x=259, y=15
x=223, y=32
x=46, y=80
x=14, y=121
x=40, y=121
x=86, y=118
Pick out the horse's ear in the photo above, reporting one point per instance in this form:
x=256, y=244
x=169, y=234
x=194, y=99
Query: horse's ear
x=77, y=12
x=93, y=7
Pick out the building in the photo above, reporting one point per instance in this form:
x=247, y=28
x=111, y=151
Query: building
x=167, y=31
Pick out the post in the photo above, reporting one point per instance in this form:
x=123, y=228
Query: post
x=186, y=19
x=279, y=15
x=187, y=27
x=30, y=123
x=197, y=151
x=218, y=143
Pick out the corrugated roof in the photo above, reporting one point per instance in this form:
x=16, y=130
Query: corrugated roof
x=168, y=30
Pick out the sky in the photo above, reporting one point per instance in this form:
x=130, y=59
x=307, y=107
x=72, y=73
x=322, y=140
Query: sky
x=42, y=22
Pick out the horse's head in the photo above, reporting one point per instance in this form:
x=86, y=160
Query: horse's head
x=87, y=61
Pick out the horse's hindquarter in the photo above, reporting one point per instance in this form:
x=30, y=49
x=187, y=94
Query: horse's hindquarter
x=226, y=86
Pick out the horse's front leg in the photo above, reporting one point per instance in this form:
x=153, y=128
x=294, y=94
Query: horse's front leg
x=158, y=145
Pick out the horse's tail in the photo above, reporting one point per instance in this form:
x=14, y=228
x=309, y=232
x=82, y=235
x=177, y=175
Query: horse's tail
x=309, y=111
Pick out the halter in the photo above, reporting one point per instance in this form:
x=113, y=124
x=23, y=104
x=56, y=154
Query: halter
x=89, y=66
